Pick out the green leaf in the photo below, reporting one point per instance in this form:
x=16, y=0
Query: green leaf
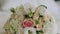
x=44, y=6
x=37, y=32
x=40, y=15
x=30, y=32
x=12, y=10
x=37, y=21
x=14, y=28
x=41, y=31
x=31, y=13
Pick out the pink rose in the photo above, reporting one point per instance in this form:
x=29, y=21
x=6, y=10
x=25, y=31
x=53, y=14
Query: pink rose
x=28, y=23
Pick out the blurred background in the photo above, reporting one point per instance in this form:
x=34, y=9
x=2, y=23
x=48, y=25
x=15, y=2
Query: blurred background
x=58, y=19
x=53, y=6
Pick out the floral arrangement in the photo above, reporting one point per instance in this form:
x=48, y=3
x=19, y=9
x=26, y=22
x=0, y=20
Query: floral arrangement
x=23, y=18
